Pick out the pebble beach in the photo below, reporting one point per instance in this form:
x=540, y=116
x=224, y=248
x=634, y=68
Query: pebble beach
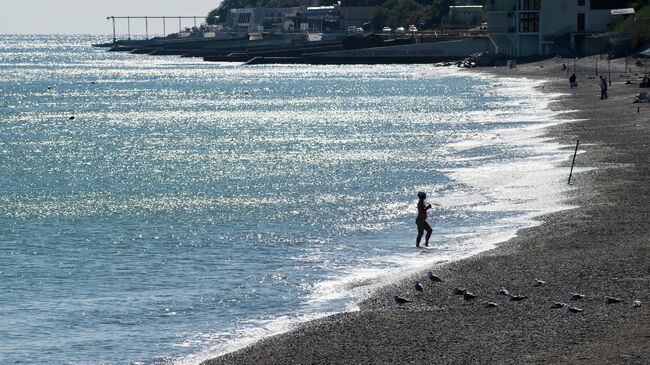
x=600, y=249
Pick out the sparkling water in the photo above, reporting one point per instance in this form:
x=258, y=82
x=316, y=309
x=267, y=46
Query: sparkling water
x=166, y=210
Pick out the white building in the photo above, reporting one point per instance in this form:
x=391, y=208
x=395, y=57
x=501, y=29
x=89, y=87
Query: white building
x=520, y=28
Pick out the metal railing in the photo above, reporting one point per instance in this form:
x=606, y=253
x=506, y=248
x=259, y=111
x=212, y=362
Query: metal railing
x=146, y=22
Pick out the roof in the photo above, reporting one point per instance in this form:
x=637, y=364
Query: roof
x=625, y=11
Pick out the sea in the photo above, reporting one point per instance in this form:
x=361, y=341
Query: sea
x=166, y=210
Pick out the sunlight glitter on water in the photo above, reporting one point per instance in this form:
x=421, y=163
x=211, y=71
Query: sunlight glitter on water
x=190, y=208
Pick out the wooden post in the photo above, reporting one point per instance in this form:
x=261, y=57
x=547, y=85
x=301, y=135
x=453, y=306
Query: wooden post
x=146, y=27
x=574, y=161
x=164, y=26
x=128, y=25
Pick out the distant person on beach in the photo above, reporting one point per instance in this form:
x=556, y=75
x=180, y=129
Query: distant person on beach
x=603, y=88
x=572, y=81
x=645, y=82
x=564, y=68
x=421, y=220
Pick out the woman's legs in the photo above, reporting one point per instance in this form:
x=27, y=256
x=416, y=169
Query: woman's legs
x=427, y=227
x=420, y=233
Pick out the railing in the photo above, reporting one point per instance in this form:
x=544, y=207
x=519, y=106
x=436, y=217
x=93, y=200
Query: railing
x=146, y=22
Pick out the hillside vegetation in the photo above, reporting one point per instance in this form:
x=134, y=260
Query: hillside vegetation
x=393, y=13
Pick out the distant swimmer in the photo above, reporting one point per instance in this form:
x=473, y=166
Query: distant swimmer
x=421, y=220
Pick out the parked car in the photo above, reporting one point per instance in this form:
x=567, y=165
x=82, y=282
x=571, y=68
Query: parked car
x=412, y=28
x=386, y=29
x=352, y=29
x=399, y=30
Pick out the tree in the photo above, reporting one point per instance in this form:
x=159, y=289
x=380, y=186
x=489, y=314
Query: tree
x=211, y=18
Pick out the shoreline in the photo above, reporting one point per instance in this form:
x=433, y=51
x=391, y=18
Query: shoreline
x=601, y=248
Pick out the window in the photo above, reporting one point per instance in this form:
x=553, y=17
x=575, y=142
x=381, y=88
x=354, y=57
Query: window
x=581, y=22
x=530, y=4
x=244, y=18
x=529, y=22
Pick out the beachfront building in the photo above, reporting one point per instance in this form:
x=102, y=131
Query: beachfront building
x=467, y=15
x=259, y=18
x=304, y=19
x=520, y=28
x=317, y=19
x=355, y=16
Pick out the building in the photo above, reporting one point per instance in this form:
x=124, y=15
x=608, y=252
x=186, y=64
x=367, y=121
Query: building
x=317, y=19
x=355, y=16
x=259, y=19
x=520, y=28
x=466, y=14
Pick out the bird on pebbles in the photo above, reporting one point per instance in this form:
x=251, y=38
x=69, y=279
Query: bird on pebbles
x=636, y=304
x=558, y=305
x=573, y=310
x=468, y=296
x=537, y=282
x=504, y=291
x=490, y=304
x=434, y=278
x=576, y=296
x=400, y=300
x=517, y=297
x=458, y=291
x=419, y=287
x=612, y=300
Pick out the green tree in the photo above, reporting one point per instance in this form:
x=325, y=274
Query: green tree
x=210, y=19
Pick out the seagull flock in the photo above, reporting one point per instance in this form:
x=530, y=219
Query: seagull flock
x=468, y=296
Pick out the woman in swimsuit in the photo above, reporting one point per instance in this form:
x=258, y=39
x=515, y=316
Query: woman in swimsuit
x=421, y=220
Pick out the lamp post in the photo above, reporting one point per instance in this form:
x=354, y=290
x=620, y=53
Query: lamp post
x=609, y=72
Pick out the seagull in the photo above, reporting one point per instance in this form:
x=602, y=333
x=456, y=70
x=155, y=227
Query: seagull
x=419, y=287
x=612, y=300
x=538, y=282
x=468, y=296
x=558, y=305
x=504, y=291
x=458, y=291
x=636, y=303
x=576, y=296
x=433, y=277
x=400, y=300
x=517, y=298
x=571, y=309
x=490, y=304
x=71, y=118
